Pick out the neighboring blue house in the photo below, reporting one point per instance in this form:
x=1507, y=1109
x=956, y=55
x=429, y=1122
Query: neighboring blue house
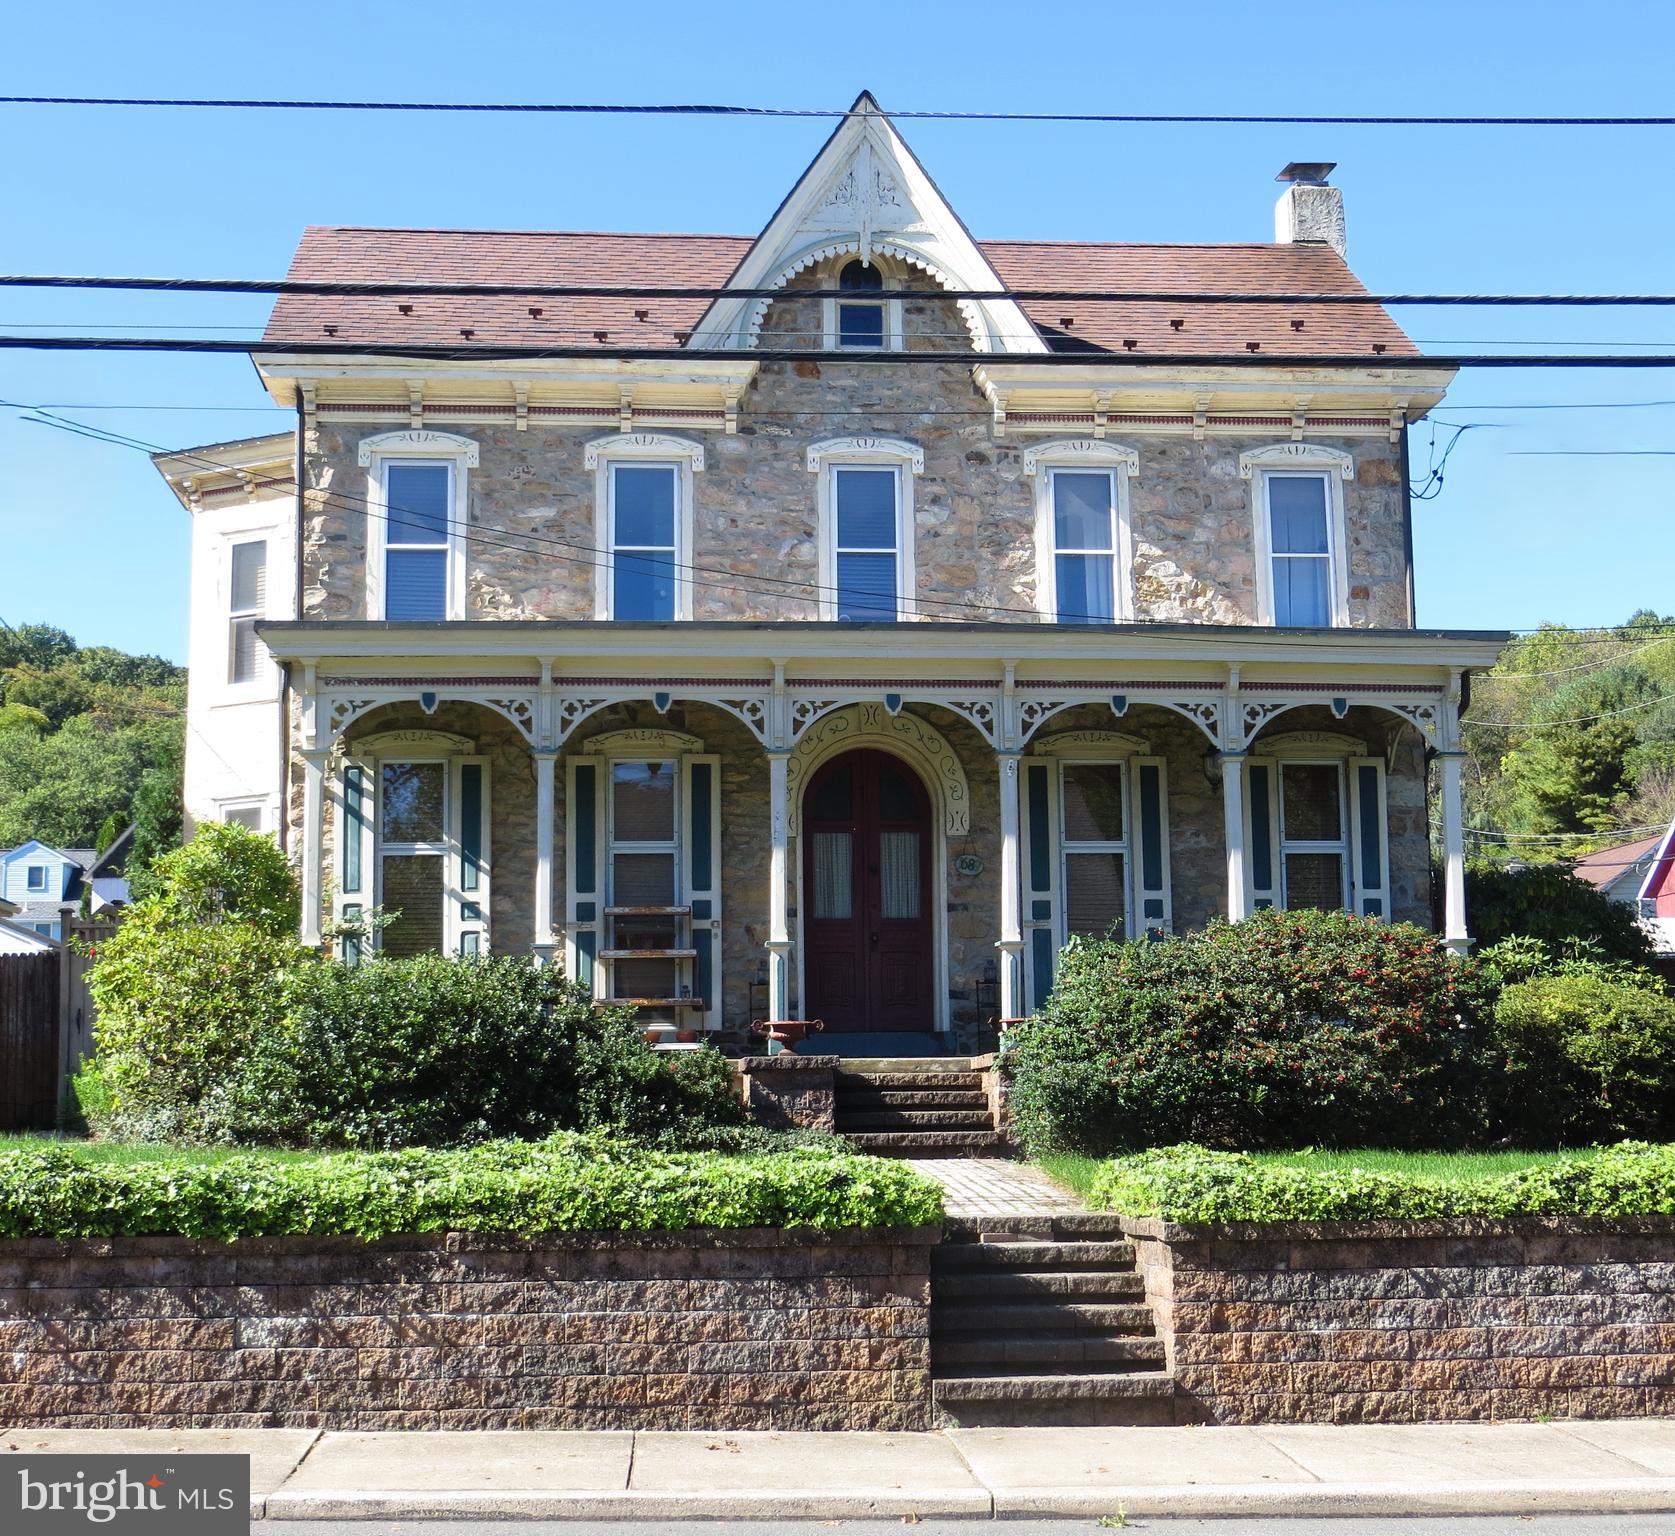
x=42, y=881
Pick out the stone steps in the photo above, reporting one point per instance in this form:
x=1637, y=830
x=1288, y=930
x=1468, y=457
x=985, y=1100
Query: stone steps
x=982, y=1256
x=985, y=1354
x=976, y=1402
x=922, y=1143
x=1000, y=1316
x=935, y=1107
x=1041, y=1285
x=914, y=1119
x=916, y=1098
x=847, y=1080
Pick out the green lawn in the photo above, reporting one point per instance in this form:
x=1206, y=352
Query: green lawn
x=1450, y=1167
x=148, y=1152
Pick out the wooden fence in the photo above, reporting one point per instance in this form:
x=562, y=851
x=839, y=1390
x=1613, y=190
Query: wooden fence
x=30, y=1066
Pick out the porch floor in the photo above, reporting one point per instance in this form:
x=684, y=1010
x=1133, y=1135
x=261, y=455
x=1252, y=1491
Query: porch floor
x=892, y=1043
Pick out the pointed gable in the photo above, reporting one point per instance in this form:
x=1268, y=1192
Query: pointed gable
x=866, y=192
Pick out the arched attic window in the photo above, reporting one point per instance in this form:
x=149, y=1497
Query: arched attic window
x=866, y=322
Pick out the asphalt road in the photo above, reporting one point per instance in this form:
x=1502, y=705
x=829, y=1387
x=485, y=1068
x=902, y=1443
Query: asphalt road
x=1474, y=1525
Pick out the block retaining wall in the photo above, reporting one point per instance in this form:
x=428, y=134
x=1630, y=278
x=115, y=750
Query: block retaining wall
x=1405, y=1322
x=706, y=1330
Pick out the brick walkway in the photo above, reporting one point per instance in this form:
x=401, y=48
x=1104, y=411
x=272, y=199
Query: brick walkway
x=994, y=1186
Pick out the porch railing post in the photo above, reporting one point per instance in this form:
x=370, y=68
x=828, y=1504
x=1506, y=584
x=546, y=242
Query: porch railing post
x=313, y=837
x=545, y=942
x=1233, y=816
x=1454, y=931
x=1011, y=941
x=779, y=889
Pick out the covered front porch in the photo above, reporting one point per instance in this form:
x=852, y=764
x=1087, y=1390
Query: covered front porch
x=892, y=828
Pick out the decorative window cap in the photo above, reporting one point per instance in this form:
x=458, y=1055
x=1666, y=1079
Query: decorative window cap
x=864, y=450
x=642, y=445
x=1312, y=744
x=1091, y=745
x=1088, y=451
x=416, y=743
x=422, y=443
x=1297, y=456
x=642, y=742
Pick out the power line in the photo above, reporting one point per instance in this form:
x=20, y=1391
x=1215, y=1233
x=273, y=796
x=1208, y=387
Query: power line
x=323, y=288
x=1541, y=725
x=710, y=109
x=1076, y=359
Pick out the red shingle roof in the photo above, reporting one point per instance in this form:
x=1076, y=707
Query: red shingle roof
x=579, y=259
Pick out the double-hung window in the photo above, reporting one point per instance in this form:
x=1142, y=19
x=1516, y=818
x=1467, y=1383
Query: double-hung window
x=643, y=515
x=1301, y=580
x=1082, y=538
x=418, y=501
x=867, y=522
x=862, y=320
x=1317, y=832
x=1084, y=544
x=246, y=603
x=1094, y=841
x=35, y=877
x=866, y=527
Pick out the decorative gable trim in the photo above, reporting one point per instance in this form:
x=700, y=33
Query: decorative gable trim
x=867, y=192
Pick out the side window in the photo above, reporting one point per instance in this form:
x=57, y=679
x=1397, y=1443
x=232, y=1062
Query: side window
x=418, y=504
x=246, y=603
x=867, y=541
x=1300, y=549
x=247, y=816
x=644, y=553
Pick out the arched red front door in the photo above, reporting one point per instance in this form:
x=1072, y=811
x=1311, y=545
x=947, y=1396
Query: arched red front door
x=869, y=958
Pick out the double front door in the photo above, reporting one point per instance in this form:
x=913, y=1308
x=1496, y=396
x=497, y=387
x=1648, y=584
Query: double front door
x=867, y=895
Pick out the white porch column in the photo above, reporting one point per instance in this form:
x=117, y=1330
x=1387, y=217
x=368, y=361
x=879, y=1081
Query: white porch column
x=1233, y=816
x=313, y=826
x=1454, y=932
x=1011, y=941
x=779, y=888
x=545, y=941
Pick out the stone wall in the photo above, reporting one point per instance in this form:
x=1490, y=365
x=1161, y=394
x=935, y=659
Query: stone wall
x=688, y=1330
x=1406, y=1322
x=755, y=507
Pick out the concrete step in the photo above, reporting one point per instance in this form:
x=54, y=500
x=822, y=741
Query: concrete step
x=1041, y=1285
x=964, y=1082
x=1065, y=1226
x=1033, y=1254
x=924, y=1143
x=1135, y=1397
x=1042, y=1351
x=849, y=1119
x=1036, y=1316
x=911, y=1066
x=913, y=1098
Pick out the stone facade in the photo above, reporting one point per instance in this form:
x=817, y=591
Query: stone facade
x=755, y=509
x=1408, y=1322
x=694, y=1330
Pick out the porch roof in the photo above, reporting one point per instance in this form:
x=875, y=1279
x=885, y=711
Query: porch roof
x=538, y=640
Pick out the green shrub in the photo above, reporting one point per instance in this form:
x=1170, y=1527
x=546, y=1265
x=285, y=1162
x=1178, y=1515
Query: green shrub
x=1197, y=1187
x=226, y=874
x=1239, y=1034
x=1583, y=1057
x=565, y=1184
x=433, y=1051
x=1549, y=902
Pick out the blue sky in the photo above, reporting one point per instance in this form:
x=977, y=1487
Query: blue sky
x=91, y=539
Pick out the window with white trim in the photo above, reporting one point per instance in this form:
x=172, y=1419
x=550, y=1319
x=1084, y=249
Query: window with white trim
x=643, y=510
x=1317, y=832
x=247, y=595
x=418, y=502
x=1093, y=832
x=35, y=877
x=1083, y=544
x=862, y=321
x=247, y=814
x=866, y=527
x=1302, y=579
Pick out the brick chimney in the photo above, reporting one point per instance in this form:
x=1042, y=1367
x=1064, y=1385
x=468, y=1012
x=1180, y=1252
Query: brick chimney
x=1309, y=212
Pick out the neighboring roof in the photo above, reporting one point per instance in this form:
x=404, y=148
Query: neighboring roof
x=18, y=939
x=1662, y=867
x=114, y=860
x=1606, y=866
x=43, y=911
x=82, y=858
x=571, y=258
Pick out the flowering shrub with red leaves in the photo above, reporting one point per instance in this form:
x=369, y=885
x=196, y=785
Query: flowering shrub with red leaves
x=1287, y=1029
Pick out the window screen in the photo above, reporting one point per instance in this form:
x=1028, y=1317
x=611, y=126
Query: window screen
x=867, y=555
x=1084, y=544
x=643, y=560
x=1301, y=550
x=247, y=602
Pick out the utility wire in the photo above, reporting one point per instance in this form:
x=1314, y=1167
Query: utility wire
x=327, y=288
x=711, y=109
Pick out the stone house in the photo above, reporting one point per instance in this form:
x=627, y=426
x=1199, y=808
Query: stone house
x=831, y=623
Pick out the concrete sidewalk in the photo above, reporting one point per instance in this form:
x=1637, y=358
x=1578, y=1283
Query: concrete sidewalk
x=1436, y=1469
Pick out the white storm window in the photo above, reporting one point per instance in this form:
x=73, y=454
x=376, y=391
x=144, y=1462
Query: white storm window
x=644, y=565
x=418, y=502
x=1317, y=834
x=247, y=815
x=1082, y=537
x=866, y=527
x=1093, y=828
x=1302, y=579
x=246, y=603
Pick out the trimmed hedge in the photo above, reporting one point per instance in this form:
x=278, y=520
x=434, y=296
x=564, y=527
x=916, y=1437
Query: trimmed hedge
x=1194, y=1186
x=565, y=1184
